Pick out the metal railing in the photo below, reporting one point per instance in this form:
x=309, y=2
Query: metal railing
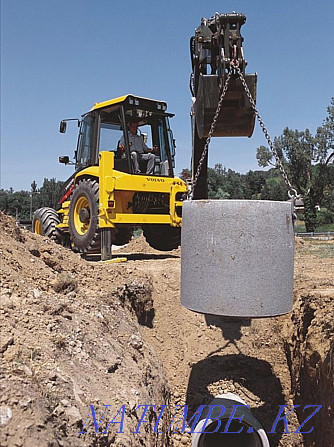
x=324, y=235
x=26, y=224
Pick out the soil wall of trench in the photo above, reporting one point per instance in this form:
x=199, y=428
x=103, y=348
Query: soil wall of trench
x=70, y=345
x=77, y=336
x=309, y=340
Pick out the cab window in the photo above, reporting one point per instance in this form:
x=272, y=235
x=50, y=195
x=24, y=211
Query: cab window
x=146, y=134
x=110, y=135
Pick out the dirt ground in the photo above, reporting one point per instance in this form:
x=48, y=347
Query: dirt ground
x=78, y=333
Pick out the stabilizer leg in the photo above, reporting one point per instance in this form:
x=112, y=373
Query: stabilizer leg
x=106, y=244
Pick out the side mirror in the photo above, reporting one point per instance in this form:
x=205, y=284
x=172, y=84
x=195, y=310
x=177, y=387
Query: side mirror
x=62, y=127
x=64, y=159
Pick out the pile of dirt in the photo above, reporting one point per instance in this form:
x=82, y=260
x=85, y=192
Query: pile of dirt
x=139, y=245
x=310, y=339
x=70, y=339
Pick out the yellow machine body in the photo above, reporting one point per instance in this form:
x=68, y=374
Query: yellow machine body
x=116, y=190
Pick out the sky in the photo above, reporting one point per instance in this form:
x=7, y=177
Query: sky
x=60, y=57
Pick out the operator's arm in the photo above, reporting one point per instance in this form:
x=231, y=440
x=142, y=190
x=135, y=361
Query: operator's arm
x=122, y=142
x=148, y=150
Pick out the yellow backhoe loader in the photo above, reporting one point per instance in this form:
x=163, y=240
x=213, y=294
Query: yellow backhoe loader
x=107, y=198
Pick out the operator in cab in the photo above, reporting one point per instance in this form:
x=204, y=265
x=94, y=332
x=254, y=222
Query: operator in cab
x=138, y=148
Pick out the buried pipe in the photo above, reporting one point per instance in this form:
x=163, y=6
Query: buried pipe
x=248, y=430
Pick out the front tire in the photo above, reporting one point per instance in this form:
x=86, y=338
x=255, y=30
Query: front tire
x=83, y=216
x=162, y=237
x=44, y=222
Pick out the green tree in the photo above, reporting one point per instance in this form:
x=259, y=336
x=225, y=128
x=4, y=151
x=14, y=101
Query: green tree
x=325, y=136
x=274, y=189
x=253, y=183
x=328, y=200
x=16, y=204
x=4, y=200
x=306, y=160
x=228, y=184
x=217, y=182
x=185, y=174
x=49, y=193
x=23, y=203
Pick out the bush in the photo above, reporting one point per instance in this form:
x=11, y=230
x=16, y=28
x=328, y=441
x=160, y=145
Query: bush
x=65, y=283
x=325, y=217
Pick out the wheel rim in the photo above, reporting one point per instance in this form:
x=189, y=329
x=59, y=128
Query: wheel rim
x=38, y=227
x=81, y=227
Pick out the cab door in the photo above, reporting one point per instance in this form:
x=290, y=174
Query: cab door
x=86, y=148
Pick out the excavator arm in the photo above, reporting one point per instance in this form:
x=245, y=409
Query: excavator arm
x=216, y=49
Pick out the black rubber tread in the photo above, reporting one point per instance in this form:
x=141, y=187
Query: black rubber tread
x=95, y=249
x=88, y=188
x=162, y=237
x=122, y=235
x=48, y=218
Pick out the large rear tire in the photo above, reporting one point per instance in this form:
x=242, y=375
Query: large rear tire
x=162, y=237
x=44, y=222
x=83, y=216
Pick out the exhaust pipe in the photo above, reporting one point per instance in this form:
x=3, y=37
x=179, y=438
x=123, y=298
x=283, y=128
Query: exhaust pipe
x=243, y=429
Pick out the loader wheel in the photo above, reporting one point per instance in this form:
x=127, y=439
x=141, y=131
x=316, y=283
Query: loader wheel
x=44, y=223
x=83, y=215
x=123, y=235
x=162, y=237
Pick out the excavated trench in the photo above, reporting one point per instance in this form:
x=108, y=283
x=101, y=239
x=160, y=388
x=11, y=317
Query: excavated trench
x=267, y=362
x=309, y=341
x=77, y=334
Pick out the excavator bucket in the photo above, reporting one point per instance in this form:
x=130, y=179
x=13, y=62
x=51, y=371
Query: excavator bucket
x=236, y=118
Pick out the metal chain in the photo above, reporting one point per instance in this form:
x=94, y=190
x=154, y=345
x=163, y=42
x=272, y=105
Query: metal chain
x=234, y=64
x=212, y=128
x=291, y=191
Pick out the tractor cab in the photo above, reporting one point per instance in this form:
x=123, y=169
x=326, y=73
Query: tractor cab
x=105, y=126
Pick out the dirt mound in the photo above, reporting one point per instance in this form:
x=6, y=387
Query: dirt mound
x=69, y=341
x=139, y=245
